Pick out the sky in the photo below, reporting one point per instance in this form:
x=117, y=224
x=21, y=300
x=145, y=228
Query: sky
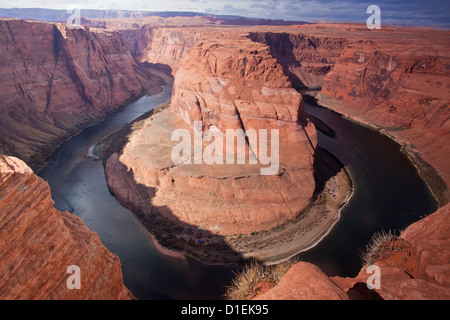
x=409, y=12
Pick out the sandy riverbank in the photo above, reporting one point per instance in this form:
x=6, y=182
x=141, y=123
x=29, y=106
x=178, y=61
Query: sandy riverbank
x=166, y=251
x=307, y=230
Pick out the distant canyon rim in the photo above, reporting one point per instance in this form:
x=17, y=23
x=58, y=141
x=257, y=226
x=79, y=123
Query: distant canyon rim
x=56, y=81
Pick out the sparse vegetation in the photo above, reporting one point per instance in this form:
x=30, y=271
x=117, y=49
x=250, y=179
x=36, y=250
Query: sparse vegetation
x=245, y=283
x=161, y=107
x=376, y=246
x=429, y=175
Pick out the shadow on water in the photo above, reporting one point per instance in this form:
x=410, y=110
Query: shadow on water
x=388, y=192
x=166, y=227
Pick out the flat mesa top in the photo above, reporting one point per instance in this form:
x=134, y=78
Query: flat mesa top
x=153, y=145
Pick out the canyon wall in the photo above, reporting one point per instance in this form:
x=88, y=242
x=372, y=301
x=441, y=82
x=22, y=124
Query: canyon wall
x=159, y=45
x=402, y=88
x=55, y=81
x=305, y=58
x=395, y=80
x=38, y=243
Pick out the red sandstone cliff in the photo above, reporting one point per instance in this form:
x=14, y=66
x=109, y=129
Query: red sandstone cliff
x=55, y=81
x=161, y=45
x=232, y=83
x=394, y=79
x=305, y=58
x=38, y=243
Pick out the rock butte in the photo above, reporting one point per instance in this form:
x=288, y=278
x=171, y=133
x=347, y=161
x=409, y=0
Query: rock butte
x=232, y=83
x=39, y=243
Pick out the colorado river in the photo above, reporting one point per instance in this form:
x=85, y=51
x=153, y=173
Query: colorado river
x=389, y=194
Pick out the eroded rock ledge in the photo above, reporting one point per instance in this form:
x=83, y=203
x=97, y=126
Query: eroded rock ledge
x=39, y=243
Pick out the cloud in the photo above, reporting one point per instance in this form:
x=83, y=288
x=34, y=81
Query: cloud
x=430, y=12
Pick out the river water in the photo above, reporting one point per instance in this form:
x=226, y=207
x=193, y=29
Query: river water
x=389, y=194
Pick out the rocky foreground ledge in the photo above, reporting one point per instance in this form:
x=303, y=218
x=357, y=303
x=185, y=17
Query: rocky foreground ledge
x=38, y=243
x=413, y=266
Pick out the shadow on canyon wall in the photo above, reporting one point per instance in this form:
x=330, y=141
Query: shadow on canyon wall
x=326, y=165
x=164, y=68
x=360, y=291
x=283, y=50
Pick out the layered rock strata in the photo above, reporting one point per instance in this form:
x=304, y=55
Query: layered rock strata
x=306, y=59
x=396, y=80
x=38, y=244
x=56, y=81
x=159, y=45
x=402, y=89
